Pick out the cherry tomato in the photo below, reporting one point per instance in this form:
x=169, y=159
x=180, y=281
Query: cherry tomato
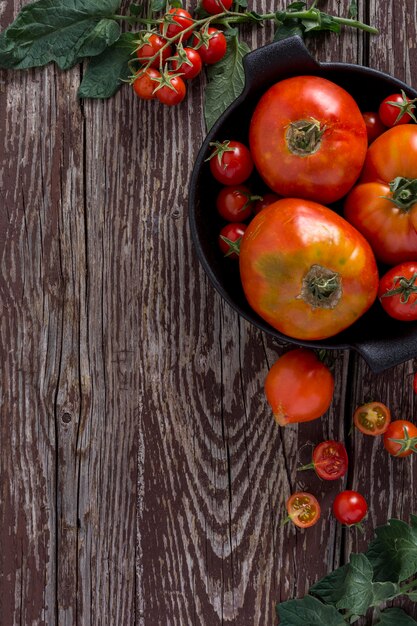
x=234, y=203
x=383, y=206
x=400, y=438
x=398, y=292
x=266, y=200
x=299, y=387
x=374, y=126
x=145, y=84
x=188, y=63
x=212, y=45
x=151, y=45
x=308, y=139
x=397, y=109
x=305, y=270
x=216, y=6
x=349, y=507
x=330, y=460
x=372, y=418
x=177, y=21
x=172, y=92
x=303, y=509
x=230, y=162
x=230, y=237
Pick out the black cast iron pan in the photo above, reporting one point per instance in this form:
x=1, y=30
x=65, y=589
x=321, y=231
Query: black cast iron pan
x=381, y=340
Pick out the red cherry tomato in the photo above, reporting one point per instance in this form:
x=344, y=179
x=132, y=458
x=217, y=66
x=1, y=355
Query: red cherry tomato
x=172, y=93
x=266, y=200
x=230, y=162
x=189, y=64
x=398, y=292
x=212, y=45
x=216, y=6
x=230, y=237
x=374, y=126
x=330, y=460
x=178, y=20
x=400, y=438
x=303, y=509
x=234, y=203
x=299, y=387
x=145, y=84
x=349, y=507
x=397, y=109
x=152, y=45
x=372, y=418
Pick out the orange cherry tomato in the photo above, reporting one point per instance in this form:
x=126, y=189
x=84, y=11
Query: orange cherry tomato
x=372, y=418
x=303, y=509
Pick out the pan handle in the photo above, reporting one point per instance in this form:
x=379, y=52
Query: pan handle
x=381, y=355
x=275, y=61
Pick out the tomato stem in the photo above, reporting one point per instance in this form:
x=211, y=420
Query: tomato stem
x=404, y=192
x=305, y=467
x=303, y=137
x=404, y=287
x=321, y=287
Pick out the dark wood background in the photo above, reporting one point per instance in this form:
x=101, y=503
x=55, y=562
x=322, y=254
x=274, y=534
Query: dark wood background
x=143, y=479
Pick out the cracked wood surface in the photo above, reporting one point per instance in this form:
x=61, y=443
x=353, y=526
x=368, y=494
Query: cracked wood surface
x=142, y=477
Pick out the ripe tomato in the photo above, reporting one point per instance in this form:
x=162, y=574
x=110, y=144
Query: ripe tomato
x=372, y=418
x=150, y=45
x=308, y=139
x=299, y=387
x=264, y=201
x=211, y=45
x=397, y=109
x=176, y=21
x=145, y=84
x=173, y=90
x=230, y=238
x=230, y=162
x=398, y=291
x=303, y=509
x=374, y=126
x=234, y=203
x=188, y=62
x=349, y=507
x=383, y=206
x=400, y=438
x=216, y=6
x=330, y=460
x=305, y=270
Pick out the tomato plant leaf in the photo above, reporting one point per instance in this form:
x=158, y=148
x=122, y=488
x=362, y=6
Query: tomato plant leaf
x=308, y=610
x=289, y=28
x=226, y=80
x=107, y=71
x=241, y=3
x=353, y=9
x=393, y=553
x=136, y=9
x=395, y=617
x=63, y=31
x=296, y=6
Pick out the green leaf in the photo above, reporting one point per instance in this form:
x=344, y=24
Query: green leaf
x=353, y=9
x=226, y=80
x=308, y=611
x=296, y=6
x=63, y=31
x=412, y=596
x=241, y=3
x=393, y=553
x=327, y=22
x=413, y=520
x=106, y=72
x=255, y=17
x=395, y=617
x=136, y=9
x=289, y=28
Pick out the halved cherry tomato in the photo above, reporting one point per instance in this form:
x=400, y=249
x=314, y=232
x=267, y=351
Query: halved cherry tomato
x=400, y=438
x=230, y=237
x=299, y=387
x=234, y=203
x=372, y=418
x=398, y=292
x=349, y=507
x=303, y=509
x=397, y=109
x=374, y=126
x=230, y=162
x=330, y=460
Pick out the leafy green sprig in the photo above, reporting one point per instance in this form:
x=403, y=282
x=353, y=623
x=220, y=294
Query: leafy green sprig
x=387, y=570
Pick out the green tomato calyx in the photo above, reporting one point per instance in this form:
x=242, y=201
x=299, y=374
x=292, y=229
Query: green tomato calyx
x=321, y=287
x=303, y=137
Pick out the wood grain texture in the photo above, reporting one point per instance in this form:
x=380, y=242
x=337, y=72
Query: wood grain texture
x=143, y=479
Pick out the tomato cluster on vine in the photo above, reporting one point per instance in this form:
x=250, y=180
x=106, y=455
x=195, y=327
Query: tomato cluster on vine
x=177, y=52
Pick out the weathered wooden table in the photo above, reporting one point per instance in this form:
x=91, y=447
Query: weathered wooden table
x=143, y=478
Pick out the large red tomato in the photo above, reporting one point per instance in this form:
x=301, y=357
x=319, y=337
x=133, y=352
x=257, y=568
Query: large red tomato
x=383, y=206
x=305, y=270
x=308, y=139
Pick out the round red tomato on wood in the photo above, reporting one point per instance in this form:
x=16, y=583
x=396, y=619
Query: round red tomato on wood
x=349, y=507
x=400, y=438
x=305, y=270
x=299, y=387
x=308, y=139
x=398, y=292
x=383, y=206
